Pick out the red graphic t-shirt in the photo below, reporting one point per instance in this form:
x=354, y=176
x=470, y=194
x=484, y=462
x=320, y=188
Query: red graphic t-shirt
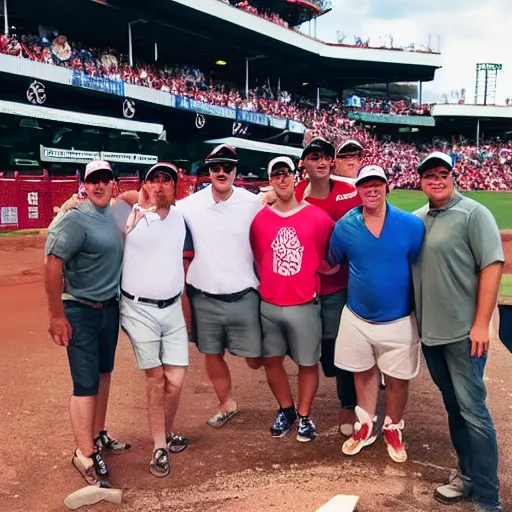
x=288, y=251
x=342, y=198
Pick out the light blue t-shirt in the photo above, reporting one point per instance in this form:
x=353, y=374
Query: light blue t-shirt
x=380, y=282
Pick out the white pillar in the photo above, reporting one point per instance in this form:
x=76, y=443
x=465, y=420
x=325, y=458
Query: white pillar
x=478, y=133
x=156, y=52
x=318, y=98
x=247, y=77
x=6, y=19
x=130, y=48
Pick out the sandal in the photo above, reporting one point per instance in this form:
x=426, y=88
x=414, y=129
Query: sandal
x=160, y=464
x=176, y=443
x=221, y=418
x=85, y=466
x=108, y=446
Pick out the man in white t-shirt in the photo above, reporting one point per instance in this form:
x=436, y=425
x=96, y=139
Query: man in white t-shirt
x=222, y=283
x=151, y=313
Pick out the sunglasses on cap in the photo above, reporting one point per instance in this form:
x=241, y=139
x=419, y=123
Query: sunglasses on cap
x=281, y=173
x=227, y=167
x=352, y=154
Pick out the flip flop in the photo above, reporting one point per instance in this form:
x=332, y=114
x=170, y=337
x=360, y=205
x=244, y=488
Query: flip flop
x=221, y=418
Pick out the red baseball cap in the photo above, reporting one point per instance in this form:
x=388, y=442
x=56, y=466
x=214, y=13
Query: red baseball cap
x=164, y=167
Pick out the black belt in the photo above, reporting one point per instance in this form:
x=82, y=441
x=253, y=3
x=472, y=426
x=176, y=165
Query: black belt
x=228, y=297
x=90, y=303
x=160, y=303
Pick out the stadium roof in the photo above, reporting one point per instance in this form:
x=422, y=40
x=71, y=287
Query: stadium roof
x=204, y=32
x=477, y=111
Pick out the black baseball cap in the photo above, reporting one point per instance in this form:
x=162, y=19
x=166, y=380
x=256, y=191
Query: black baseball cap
x=321, y=145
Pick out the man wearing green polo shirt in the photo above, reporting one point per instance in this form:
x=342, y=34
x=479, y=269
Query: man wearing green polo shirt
x=456, y=288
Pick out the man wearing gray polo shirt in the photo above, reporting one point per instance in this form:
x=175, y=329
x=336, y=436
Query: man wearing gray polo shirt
x=85, y=246
x=456, y=287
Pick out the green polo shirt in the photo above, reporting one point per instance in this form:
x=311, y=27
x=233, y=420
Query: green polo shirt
x=461, y=239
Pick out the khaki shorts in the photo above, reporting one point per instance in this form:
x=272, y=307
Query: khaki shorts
x=393, y=346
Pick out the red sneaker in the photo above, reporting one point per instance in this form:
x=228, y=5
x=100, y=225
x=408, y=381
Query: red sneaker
x=393, y=439
x=364, y=433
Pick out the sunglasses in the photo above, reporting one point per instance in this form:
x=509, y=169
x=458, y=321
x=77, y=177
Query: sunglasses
x=94, y=180
x=348, y=155
x=282, y=173
x=161, y=177
x=226, y=167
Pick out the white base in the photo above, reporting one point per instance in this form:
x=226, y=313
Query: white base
x=340, y=503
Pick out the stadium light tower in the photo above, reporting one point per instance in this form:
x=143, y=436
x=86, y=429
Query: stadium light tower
x=486, y=80
x=6, y=19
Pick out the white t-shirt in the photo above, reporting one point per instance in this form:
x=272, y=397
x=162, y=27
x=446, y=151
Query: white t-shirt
x=223, y=261
x=351, y=181
x=153, y=257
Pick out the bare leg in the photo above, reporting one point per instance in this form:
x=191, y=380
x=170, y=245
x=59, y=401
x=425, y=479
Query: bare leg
x=308, y=386
x=218, y=373
x=82, y=409
x=155, y=382
x=174, y=379
x=397, y=392
x=367, y=389
x=101, y=403
x=278, y=381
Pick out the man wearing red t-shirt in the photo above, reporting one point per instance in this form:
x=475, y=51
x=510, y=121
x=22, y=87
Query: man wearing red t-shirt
x=336, y=198
x=289, y=242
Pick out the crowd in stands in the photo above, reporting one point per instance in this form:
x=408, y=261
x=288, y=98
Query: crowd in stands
x=487, y=167
x=266, y=15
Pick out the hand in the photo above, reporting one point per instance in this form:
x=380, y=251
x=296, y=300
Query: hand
x=144, y=201
x=326, y=269
x=60, y=330
x=480, y=339
x=268, y=197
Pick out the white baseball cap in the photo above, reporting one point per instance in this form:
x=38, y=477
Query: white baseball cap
x=442, y=158
x=281, y=161
x=350, y=146
x=164, y=167
x=371, y=172
x=97, y=165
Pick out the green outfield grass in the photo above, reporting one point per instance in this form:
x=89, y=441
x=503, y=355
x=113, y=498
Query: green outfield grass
x=500, y=203
x=506, y=286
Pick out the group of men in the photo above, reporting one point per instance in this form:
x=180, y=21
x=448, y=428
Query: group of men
x=323, y=270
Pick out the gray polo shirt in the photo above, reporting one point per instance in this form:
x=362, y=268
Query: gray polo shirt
x=90, y=243
x=461, y=239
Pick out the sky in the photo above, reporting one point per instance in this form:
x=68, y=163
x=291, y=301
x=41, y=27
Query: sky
x=466, y=32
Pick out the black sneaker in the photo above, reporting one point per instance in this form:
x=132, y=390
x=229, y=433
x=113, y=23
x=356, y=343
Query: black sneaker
x=176, y=443
x=282, y=424
x=108, y=446
x=100, y=466
x=307, y=430
x=160, y=464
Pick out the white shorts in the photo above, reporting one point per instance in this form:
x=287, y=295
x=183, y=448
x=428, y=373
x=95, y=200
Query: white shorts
x=158, y=336
x=393, y=346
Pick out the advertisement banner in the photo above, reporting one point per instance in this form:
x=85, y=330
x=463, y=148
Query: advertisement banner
x=83, y=157
x=80, y=79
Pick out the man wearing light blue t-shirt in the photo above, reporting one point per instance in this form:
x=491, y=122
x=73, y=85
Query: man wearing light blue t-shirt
x=377, y=329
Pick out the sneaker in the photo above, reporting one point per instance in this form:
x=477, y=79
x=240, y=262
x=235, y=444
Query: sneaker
x=176, y=443
x=100, y=466
x=364, y=433
x=160, y=464
x=307, y=430
x=393, y=439
x=108, y=446
x=457, y=489
x=478, y=507
x=282, y=425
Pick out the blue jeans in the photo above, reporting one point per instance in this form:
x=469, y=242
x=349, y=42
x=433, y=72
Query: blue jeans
x=459, y=377
x=92, y=347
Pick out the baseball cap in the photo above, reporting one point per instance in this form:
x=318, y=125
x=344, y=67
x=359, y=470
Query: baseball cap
x=164, y=167
x=222, y=153
x=437, y=157
x=350, y=146
x=371, y=172
x=97, y=165
x=319, y=144
x=280, y=161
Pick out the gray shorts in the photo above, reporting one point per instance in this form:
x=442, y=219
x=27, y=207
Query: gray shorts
x=331, y=307
x=293, y=330
x=232, y=326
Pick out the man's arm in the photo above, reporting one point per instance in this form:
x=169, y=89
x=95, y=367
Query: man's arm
x=336, y=253
x=487, y=295
x=60, y=329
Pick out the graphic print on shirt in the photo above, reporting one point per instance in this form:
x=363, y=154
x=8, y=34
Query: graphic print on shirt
x=288, y=252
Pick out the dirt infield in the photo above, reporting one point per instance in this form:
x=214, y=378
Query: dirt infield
x=237, y=468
